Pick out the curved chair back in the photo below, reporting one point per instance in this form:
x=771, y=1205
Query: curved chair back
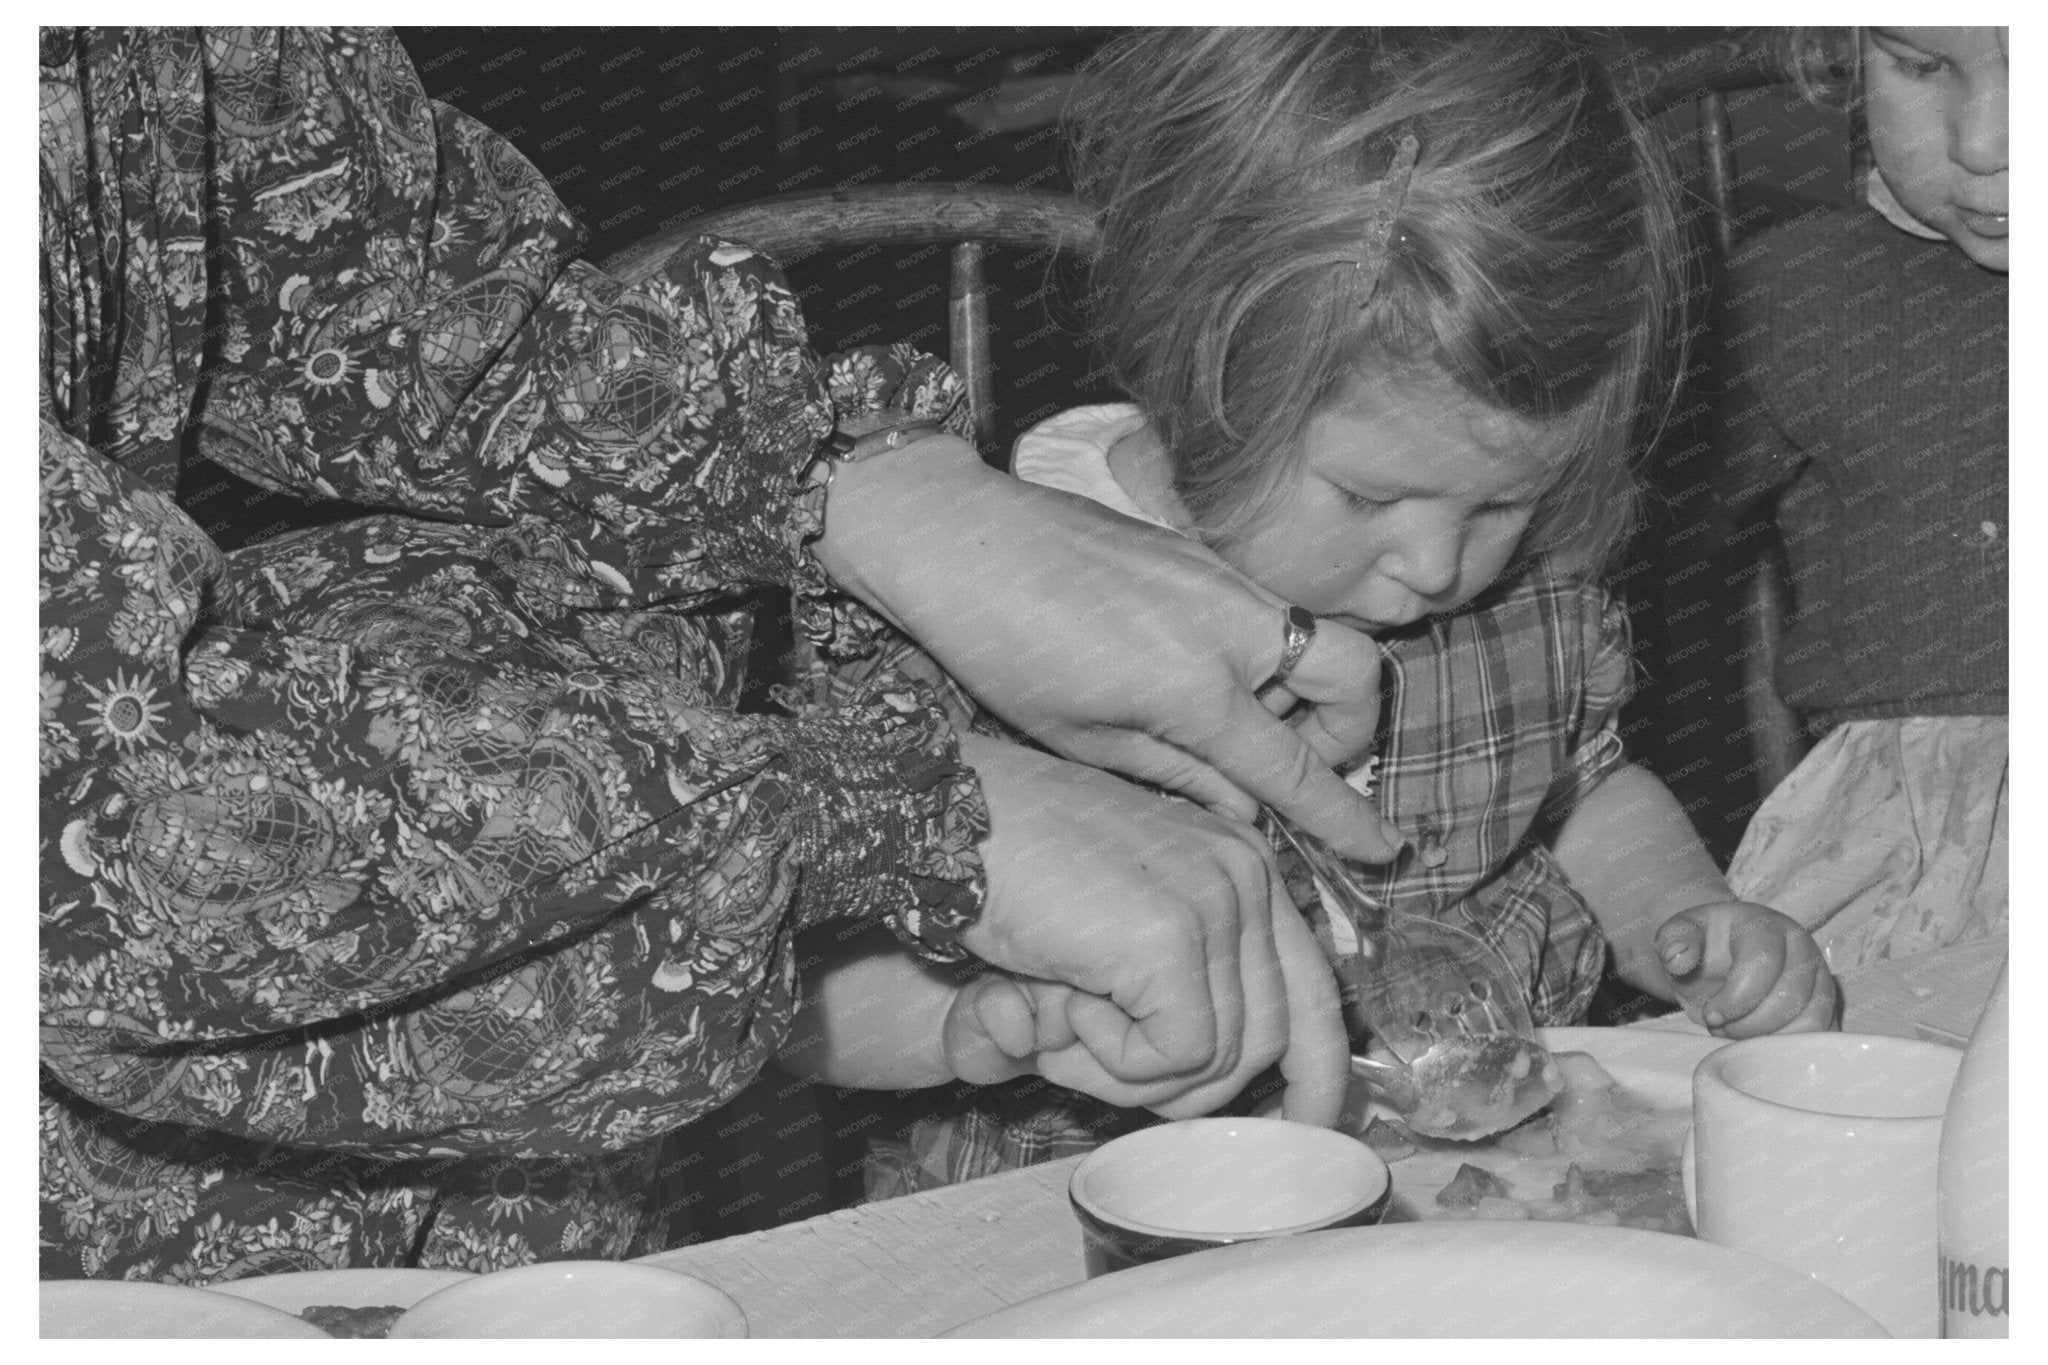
x=1705, y=75
x=970, y=217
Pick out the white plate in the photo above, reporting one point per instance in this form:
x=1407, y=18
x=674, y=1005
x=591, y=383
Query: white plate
x=368, y=1287
x=138, y=1308
x=1445, y=1280
x=576, y=1299
x=1652, y=1064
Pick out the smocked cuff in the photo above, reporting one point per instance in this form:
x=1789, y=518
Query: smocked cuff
x=895, y=821
x=867, y=379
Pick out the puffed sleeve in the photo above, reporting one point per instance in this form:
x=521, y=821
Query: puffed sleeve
x=1606, y=682
x=377, y=297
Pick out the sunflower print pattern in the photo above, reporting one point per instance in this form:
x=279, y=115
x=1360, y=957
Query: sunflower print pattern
x=405, y=878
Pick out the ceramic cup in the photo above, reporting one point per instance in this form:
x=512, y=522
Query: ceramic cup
x=1204, y=1183
x=1817, y=1151
x=576, y=1299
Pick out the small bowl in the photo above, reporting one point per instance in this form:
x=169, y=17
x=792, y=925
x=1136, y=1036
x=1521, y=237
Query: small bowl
x=1205, y=1183
x=576, y=1299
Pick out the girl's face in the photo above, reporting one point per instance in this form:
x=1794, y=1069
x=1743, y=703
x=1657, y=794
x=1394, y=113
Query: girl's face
x=1935, y=100
x=1407, y=497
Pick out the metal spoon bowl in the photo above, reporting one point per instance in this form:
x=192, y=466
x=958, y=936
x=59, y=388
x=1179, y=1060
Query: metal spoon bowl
x=1463, y=1058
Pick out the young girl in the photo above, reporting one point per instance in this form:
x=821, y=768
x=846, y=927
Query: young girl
x=1388, y=306
x=1874, y=354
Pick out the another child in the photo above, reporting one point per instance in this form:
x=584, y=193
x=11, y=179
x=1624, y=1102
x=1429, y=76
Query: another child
x=1389, y=306
x=1873, y=345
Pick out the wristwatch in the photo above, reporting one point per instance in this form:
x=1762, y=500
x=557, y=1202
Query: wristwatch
x=846, y=447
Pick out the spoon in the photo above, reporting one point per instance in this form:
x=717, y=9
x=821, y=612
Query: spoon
x=1461, y=1058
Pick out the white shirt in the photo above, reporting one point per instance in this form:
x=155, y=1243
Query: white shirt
x=1070, y=451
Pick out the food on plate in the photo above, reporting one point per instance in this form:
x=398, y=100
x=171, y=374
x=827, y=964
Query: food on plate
x=1469, y=1087
x=1470, y=1185
x=1389, y=1139
x=1620, y=1160
x=339, y=1320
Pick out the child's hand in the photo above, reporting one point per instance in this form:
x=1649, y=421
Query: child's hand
x=1001, y=1026
x=1744, y=969
x=998, y=1024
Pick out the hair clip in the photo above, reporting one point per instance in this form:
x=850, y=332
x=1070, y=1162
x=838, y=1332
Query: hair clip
x=1390, y=195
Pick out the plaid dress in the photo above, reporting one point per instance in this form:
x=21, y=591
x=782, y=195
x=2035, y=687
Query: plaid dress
x=1499, y=717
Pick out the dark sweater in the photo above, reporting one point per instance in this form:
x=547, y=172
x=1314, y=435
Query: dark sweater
x=1870, y=373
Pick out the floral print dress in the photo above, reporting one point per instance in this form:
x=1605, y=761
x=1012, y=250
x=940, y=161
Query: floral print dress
x=404, y=878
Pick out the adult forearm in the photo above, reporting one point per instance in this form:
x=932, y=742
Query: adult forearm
x=890, y=520
x=1113, y=642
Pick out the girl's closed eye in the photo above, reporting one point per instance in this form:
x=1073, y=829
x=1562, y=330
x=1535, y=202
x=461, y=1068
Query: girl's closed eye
x=1909, y=60
x=1365, y=502
x=1919, y=68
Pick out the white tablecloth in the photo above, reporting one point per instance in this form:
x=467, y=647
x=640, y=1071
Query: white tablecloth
x=916, y=1266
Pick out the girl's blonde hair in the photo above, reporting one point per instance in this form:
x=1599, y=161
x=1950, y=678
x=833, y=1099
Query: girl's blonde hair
x=1536, y=259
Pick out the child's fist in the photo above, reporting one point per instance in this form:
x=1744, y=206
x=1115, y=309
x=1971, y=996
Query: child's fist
x=1744, y=969
x=997, y=1025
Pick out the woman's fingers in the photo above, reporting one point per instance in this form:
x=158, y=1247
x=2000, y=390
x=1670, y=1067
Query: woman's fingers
x=1190, y=1006
x=1162, y=912
x=1279, y=769
x=1085, y=629
x=1317, y=1060
x=1175, y=770
x=1340, y=678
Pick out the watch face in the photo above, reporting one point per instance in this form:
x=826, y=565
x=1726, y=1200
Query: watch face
x=849, y=448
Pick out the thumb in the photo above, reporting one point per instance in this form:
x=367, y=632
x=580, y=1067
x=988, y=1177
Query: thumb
x=1005, y=1015
x=1681, y=945
x=972, y=1050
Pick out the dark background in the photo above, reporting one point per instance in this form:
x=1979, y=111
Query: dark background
x=640, y=129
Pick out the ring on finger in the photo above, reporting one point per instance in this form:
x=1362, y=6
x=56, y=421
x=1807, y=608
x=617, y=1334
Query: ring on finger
x=1299, y=628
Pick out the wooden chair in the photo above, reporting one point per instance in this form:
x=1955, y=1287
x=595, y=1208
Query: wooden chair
x=970, y=217
x=1705, y=75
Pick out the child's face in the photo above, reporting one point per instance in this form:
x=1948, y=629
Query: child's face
x=1407, y=498
x=1935, y=100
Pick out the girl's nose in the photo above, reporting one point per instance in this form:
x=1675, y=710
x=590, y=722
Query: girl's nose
x=1977, y=132
x=1426, y=561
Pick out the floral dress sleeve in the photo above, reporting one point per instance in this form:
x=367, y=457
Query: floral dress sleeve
x=437, y=831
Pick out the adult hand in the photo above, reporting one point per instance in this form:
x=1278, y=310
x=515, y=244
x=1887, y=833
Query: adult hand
x=1744, y=969
x=1191, y=971
x=1118, y=644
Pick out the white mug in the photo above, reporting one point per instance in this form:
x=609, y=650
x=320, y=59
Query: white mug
x=1817, y=1151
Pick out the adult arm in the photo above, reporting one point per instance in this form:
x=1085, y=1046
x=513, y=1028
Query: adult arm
x=1168, y=965
x=1118, y=644
x=393, y=835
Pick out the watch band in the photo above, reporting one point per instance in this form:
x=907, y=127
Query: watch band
x=848, y=448
x=845, y=447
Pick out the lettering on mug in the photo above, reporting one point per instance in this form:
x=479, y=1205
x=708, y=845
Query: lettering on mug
x=1966, y=1289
